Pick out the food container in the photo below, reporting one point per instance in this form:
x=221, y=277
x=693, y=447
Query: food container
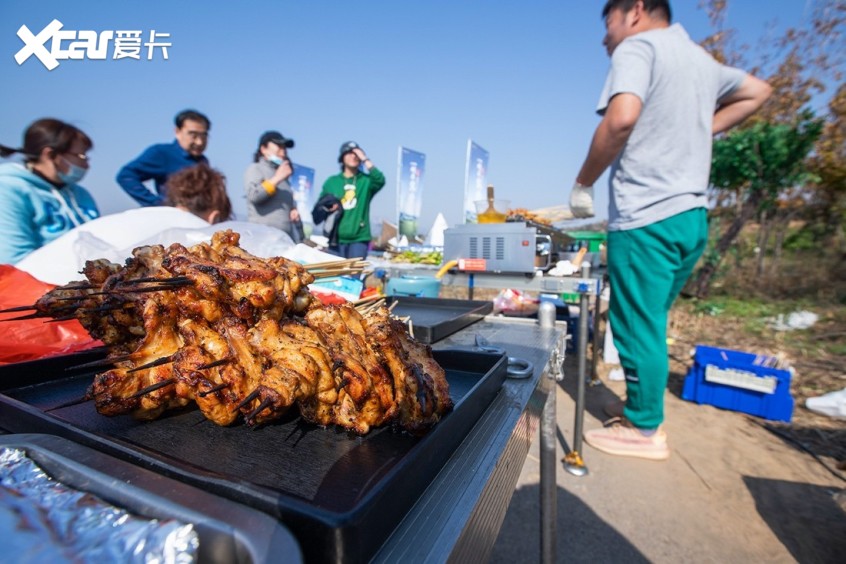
x=413, y=286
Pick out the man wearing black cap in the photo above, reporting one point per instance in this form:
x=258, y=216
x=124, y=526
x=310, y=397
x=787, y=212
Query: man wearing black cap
x=270, y=200
x=355, y=190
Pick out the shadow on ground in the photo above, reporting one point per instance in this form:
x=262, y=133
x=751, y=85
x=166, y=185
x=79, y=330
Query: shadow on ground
x=813, y=530
x=581, y=535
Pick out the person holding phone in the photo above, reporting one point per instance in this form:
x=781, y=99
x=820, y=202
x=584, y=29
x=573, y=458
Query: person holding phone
x=270, y=199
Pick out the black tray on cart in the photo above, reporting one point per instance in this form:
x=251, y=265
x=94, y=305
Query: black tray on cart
x=341, y=495
x=433, y=319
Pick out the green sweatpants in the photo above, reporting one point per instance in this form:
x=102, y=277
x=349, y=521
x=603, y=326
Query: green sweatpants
x=647, y=268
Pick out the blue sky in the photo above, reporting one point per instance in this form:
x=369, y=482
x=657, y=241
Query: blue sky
x=519, y=78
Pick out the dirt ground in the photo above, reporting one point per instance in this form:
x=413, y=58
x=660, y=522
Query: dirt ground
x=736, y=488
x=732, y=491
x=815, y=371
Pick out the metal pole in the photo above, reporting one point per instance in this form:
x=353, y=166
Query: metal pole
x=573, y=462
x=470, y=283
x=584, y=308
x=548, y=483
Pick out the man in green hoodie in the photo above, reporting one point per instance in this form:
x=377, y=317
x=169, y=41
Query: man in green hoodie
x=355, y=189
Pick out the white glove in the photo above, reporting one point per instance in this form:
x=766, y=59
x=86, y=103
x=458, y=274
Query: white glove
x=581, y=200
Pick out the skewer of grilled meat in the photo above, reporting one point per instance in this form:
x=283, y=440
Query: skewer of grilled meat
x=222, y=328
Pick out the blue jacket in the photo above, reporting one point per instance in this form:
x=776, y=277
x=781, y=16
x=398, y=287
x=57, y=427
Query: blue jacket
x=33, y=212
x=156, y=163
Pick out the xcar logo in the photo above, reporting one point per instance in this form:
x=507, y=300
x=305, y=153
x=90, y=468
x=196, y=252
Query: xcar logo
x=85, y=44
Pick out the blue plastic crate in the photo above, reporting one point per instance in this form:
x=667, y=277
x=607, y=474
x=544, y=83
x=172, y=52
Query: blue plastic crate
x=739, y=381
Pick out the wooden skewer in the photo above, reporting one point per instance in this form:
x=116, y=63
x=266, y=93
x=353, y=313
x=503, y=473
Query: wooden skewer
x=372, y=298
x=62, y=318
x=35, y=315
x=220, y=362
x=253, y=395
x=130, y=290
x=153, y=388
x=214, y=389
x=332, y=263
x=333, y=273
x=103, y=362
x=79, y=298
x=174, y=280
x=72, y=402
x=19, y=308
x=259, y=409
x=105, y=307
x=157, y=362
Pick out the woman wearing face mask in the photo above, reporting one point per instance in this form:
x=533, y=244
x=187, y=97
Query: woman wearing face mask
x=270, y=200
x=40, y=198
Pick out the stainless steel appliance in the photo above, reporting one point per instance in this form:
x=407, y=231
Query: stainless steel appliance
x=496, y=247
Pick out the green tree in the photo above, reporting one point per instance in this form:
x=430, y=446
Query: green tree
x=829, y=165
x=759, y=163
x=771, y=158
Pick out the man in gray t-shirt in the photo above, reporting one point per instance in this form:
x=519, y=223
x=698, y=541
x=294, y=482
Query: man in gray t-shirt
x=663, y=100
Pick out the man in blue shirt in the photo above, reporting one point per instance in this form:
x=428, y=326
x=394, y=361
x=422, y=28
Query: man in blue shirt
x=160, y=161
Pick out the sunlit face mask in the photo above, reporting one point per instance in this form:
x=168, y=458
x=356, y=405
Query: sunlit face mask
x=74, y=174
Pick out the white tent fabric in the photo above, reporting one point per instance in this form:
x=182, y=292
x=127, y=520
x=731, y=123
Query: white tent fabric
x=113, y=237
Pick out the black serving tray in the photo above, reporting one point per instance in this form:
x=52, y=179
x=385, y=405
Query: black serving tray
x=433, y=319
x=227, y=531
x=340, y=494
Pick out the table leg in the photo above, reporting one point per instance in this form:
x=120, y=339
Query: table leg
x=573, y=462
x=548, y=483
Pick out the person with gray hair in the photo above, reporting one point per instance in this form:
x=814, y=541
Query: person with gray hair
x=664, y=99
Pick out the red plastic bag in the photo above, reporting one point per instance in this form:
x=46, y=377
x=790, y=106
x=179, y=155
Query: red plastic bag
x=30, y=339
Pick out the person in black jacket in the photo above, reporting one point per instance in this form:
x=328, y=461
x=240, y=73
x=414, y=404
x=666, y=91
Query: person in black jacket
x=328, y=211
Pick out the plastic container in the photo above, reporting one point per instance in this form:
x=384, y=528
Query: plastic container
x=739, y=381
x=414, y=286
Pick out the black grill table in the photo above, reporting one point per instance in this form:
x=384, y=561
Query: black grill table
x=455, y=514
x=459, y=515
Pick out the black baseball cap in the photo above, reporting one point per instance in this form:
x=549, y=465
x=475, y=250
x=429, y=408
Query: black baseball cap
x=347, y=148
x=276, y=137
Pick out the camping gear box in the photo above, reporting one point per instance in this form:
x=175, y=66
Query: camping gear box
x=739, y=381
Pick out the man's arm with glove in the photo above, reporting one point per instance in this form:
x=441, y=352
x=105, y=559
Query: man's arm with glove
x=610, y=137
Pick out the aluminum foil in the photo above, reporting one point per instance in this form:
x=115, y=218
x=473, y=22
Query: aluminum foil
x=42, y=520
